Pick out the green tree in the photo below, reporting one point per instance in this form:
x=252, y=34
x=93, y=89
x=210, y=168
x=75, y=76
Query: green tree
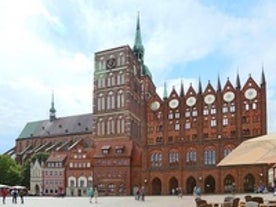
x=10, y=171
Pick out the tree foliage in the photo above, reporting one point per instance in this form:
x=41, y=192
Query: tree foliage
x=10, y=171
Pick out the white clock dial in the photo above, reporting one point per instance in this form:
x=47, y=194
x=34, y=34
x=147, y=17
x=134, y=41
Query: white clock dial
x=191, y=101
x=250, y=93
x=173, y=103
x=209, y=99
x=155, y=105
x=228, y=96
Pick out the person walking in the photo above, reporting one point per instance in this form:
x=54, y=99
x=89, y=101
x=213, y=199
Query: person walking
x=4, y=193
x=143, y=193
x=90, y=194
x=96, y=194
x=22, y=194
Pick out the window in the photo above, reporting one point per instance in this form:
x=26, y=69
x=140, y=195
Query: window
x=120, y=99
x=191, y=156
x=177, y=115
x=225, y=121
x=213, y=110
x=225, y=109
x=194, y=113
x=187, y=125
x=156, y=159
x=246, y=106
x=110, y=100
x=210, y=157
x=177, y=126
x=205, y=112
x=232, y=108
x=120, y=125
x=110, y=126
x=170, y=116
x=213, y=123
x=173, y=157
x=254, y=106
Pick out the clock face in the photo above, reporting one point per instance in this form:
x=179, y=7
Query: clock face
x=250, y=93
x=228, y=96
x=173, y=103
x=209, y=99
x=155, y=105
x=111, y=63
x=191, y=101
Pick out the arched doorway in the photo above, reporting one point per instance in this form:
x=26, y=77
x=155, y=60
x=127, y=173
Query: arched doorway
x=156, y=186
x=209, y=184
x=37, y=190
x=173, y=184
x=249, y=182
x=190, y=184
x=229, y=184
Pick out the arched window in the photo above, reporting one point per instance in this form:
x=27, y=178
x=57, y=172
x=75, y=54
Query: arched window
x=110, y=126
x=209, y=156
x=227, y=149
x=120, y=125
x=156, y=159
x=191, y=156
x=121, y=59
x=173, y=157
x=120, y=99
x=110, y=100
x=101, y=104
x=100, y=127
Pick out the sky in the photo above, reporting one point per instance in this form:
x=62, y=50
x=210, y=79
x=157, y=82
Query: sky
x=48, y=46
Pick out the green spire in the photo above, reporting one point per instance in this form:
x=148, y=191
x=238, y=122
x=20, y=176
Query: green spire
x=165, y=94
x=52, y=109
x=138, y=48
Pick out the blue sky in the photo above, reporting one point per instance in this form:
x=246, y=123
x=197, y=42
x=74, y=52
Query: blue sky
x=50, y=45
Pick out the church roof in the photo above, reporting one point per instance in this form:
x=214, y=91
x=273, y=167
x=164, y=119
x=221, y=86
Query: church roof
x=60, y=126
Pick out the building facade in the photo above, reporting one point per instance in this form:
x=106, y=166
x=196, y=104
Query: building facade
x=137, y=138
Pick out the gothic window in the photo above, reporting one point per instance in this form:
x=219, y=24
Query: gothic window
x=224, y=109
x=246, y=107
x=194, y=112
x=205, y=112
x=173, y=157
x=210, y=156
x=110, y=100
x=100, y=127
x=120, y=99
x=120, y=125
x=177, y=115
x=110, y=80
x=191, y=156
x=254, y=106
x=225, y=121
x=232, y=108
x=227, y=150
x=213, y=123
x=187, y=125
x=110, y=126
x=101, y=104
x=156, y=159
x=187, y=114
x=121, y=59
x=170, y=116
x=213, y=110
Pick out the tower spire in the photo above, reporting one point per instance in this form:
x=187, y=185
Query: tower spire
x=52, y=109
x=138, y=47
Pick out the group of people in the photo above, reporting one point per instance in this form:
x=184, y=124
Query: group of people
x=93, y=193
x=15, y=193
x=140, y=193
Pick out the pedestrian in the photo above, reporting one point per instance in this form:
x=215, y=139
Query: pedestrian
x=22, y=194
x=96, y=194
x=90, y=194
x=4, y=193
x=138, y=193
x=179, y=195
x=14, y=194
x=143, y=193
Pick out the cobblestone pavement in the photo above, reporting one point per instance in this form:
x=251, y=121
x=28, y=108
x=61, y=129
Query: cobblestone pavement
x=126, y=201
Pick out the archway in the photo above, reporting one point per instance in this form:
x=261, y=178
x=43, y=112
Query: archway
x=190, y=184
x=173, y=184
x=249, y=182
x=229, y=184
x=209, y=184
x=37, y=190
x=156, y=186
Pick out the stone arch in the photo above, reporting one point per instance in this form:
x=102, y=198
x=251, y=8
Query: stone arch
x=156, y=186
x=249, y=183
x=229, y=183
x=173, y=184
x=209, y=184
x=190, y=184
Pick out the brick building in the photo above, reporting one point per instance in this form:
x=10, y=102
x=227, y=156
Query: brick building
x=138, y=138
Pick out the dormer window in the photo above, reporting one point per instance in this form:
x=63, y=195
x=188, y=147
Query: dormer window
x=105, y=149
x=119, y=149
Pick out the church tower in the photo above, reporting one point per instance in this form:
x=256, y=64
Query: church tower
x=118, y=114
